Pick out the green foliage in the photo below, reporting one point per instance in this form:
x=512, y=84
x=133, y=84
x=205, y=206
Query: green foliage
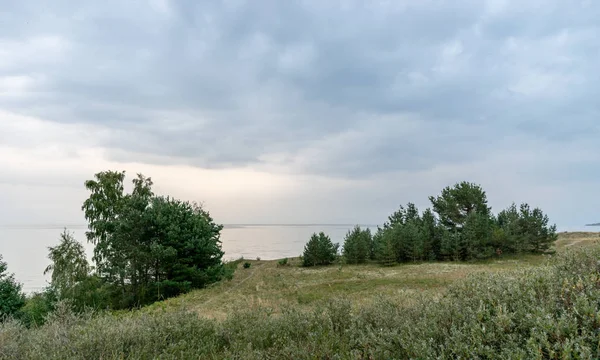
x=149, y=247
x=37, y=307
x=462, y=228
x=455, y=203
x=357, y=245
x=229, y=268
x=319, y=251
x=283, y=262
x=11, y=296
x=548, y=312
x=385, y=250
x=69, y=265
x=72, y=278
x=247, y=265
x=524, y=230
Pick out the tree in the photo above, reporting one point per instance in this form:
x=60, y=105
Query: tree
x=319, y=250
x=12, y=298
x=431, y=236
x=182, y=249
x=455, y=204
x=412, y=244
x=402, y=216
x=476, y=237
x=72, y=277
x=149, y=247
x=525, y=229
x=357, y=245
x=69, y=265
x=509, y=234
x=538, y=234
x=385, y=250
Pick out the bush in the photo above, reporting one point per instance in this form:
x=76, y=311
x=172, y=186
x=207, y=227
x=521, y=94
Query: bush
x=11, y=296
x=319, y=251
x=247, y=265
x=283, y=262
x=37, y=307
x=548, y=312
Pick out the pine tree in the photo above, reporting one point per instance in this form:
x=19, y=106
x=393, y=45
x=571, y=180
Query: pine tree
x=357, y=245
x=412, y=241
x=319, y=250
x=386, y=252
x=431, y=236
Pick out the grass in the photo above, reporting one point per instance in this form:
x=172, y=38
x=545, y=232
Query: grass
x=527, y=307
x=267, y=284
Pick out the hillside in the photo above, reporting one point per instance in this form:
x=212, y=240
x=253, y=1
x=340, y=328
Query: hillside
x=266, y=284
x=530, y=307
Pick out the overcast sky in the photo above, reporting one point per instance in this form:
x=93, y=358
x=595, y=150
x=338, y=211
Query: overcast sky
x=301, y=111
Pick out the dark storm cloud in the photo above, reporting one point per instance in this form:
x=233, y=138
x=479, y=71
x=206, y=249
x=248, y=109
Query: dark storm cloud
x=309, y=86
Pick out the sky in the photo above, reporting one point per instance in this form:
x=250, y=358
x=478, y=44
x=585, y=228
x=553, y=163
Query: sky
x=301, y=111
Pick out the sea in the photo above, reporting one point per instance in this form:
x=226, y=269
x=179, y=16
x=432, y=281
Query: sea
x=25, y=247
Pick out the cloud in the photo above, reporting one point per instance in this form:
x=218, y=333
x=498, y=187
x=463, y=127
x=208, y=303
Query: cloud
x=347, y=96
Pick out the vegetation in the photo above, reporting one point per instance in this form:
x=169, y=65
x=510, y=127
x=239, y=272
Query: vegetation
x=461, y=227
x=357, y=245
x=319, y=250
x=11, y=297
x=497, y=298
x=537, y=312
x=149, y=247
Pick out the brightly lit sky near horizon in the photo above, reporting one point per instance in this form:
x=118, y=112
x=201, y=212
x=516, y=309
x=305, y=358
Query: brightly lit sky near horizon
x=301, y=111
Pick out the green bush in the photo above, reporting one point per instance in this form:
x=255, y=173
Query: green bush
x=283, y=262
x=548, y=312
x=319, y=251
x=11, y=296
x=246, y=265
x=37, y=307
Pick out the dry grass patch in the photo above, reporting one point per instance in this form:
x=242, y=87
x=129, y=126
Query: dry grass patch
x=266, y=284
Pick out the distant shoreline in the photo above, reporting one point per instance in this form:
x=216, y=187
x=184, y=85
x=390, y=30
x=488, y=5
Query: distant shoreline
x=229, y=226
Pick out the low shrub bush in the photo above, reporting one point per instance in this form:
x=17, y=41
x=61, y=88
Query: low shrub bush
x=548, y=312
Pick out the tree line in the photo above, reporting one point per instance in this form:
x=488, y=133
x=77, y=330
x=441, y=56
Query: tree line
x=459, y=226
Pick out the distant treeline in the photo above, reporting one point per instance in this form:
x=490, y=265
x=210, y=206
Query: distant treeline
x=460, y=226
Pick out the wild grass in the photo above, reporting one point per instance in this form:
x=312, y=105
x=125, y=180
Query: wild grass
x=267, y=284
x=517, y=308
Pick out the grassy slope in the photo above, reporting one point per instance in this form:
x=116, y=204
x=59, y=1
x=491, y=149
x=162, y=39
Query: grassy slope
x=265, y=284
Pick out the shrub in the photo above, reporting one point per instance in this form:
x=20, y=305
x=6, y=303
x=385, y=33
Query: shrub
x=319, y=250
x=11, y=296
x=548, y=312
x=37, y=307
x=283, y=262
x=247, y=265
